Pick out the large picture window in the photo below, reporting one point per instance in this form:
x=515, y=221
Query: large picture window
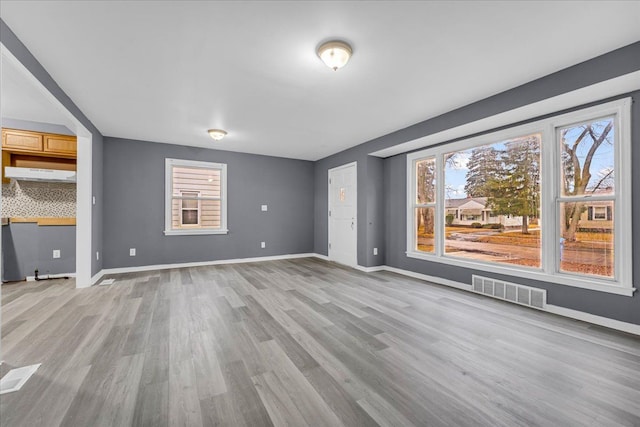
x=195, y=197
x=540, y=200
x=492, y=194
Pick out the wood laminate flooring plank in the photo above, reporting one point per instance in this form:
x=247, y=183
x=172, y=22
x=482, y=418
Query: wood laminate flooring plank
x=304, y=342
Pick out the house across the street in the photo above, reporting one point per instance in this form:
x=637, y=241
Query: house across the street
x=596, y=215
x=468, y=210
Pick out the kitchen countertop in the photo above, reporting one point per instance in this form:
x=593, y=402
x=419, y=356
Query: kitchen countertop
x=40, y=221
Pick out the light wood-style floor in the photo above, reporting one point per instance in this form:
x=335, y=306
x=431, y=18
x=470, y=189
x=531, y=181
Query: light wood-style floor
x=304, y=342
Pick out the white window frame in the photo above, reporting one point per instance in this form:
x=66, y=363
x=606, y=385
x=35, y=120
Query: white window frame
x=168, y=193
x=414, y=205
x=549, y=271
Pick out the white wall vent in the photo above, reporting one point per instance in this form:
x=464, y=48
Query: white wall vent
x=512, y=292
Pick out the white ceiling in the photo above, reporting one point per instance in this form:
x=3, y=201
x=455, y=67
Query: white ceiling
x=167, y=71
x=20, y=99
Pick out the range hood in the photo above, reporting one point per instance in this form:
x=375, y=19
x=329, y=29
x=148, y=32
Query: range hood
x=35, y=174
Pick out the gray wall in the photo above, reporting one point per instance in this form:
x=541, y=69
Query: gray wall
x=370, y=204
x=387, y=199
x=27, y=246
x=134, y=206
x=97, y=212
x=371, y=218
x=20, y=51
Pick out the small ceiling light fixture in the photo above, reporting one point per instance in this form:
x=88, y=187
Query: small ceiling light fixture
x=335, y=54
x=217, y=134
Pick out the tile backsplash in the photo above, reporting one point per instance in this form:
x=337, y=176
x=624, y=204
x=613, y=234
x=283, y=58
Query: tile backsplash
x=38, y=199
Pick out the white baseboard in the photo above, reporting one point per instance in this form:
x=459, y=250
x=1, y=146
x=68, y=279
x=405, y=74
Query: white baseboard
x=370, y=269
x=97, y=277
x=49, y=276
x=434, y=279
x=153, y=267
x=596, y=320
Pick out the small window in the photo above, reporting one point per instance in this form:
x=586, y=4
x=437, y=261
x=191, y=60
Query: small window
x=600, y=213
x=190, y=214
x=195, y=197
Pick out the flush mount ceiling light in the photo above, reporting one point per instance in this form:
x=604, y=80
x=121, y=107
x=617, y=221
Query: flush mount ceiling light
x=335, y=54
x=217, y=134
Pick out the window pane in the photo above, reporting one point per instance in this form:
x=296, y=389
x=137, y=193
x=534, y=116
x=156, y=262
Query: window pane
x=206, y=182
x=586, y=238
x=191, y=183
x=588, y=158
x=492, y=202
x=189, y=204
x=425, y=221
x=189, y=217
x=426, y=180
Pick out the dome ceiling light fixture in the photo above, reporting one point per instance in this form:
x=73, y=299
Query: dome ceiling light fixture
x=335, y=54
x=217, y=134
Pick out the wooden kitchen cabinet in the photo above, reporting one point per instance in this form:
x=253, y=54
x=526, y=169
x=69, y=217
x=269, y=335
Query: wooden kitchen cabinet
x=23, y=141
x=60, y=145
x=22, y=148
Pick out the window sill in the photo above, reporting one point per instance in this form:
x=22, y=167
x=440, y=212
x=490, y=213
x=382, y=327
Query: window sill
x=585, y=283
x=194, y=232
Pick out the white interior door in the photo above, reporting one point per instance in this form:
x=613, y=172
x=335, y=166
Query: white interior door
x=343, y=214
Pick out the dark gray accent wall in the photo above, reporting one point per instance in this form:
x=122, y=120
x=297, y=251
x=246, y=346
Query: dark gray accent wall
x=387, y=199
x=134, y=198
x=20, y=51
x=28, y=246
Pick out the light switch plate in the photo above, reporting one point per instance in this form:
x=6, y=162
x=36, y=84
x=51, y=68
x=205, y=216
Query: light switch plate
x=264, y=208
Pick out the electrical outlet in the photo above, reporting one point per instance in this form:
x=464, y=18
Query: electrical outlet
x=375, y=251
x=93, y=199
x=97, y=256
x=263, y=245
x=56, y=253
x=264, y=208
x=132, y=252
